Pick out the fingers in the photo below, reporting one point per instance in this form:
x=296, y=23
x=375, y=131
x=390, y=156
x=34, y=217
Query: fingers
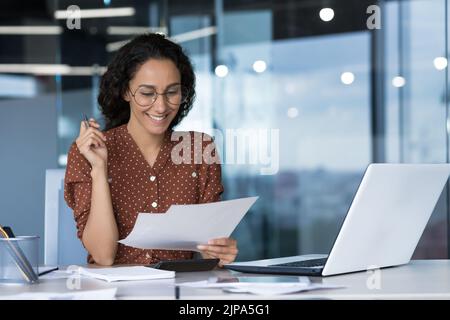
x=84, y=125
x=223, y=242
x=224, y=250
x=92, y=124
x=91, y=130
x=85, y=144
x=89, y=142
x=92, y=133
x=224, y=259
x=88, y=134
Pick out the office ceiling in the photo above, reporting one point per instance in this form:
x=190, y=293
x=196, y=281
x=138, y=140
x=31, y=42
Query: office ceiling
x=290, y=19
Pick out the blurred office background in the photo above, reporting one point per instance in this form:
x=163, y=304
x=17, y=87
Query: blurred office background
x=342, y=96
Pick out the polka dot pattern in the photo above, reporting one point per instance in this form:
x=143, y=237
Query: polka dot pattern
x=138, y=187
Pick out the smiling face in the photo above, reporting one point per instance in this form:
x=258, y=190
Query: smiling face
x=154, y=77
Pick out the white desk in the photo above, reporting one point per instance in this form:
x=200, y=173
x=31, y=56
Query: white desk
x=421, y=279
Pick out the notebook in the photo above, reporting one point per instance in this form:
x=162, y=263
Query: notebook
x=125, y=273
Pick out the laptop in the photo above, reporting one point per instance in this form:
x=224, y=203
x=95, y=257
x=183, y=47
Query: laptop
x=385, y=221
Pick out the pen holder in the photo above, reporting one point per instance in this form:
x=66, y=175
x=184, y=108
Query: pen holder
x=19, y=259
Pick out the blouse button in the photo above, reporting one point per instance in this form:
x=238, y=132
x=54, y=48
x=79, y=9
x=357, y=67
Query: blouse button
x=147, y=255
x=154, y=204
x=194, y=174
x=152, y=178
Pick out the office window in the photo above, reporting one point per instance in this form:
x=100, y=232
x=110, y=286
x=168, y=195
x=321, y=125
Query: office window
x=335, y=94
x=415, y=99
x=314, y=85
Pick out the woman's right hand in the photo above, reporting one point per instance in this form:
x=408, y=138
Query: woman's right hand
x=91, y=144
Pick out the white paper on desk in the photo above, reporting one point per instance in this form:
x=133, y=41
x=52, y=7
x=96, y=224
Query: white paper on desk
x=205, y=284
x=274, y=289
x=183, y=227
x=260, y=288
x=133, y=273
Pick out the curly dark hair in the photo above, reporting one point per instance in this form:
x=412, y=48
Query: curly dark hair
x=122, y=68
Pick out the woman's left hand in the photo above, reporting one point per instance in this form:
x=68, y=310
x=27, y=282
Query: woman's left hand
x=224, y=249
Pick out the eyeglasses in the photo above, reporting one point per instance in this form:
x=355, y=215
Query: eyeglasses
x=145, y=96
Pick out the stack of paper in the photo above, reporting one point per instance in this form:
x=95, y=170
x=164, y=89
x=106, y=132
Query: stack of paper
x=125, y=273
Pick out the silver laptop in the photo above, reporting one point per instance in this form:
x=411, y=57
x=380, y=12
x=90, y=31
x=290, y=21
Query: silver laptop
x=382, y=228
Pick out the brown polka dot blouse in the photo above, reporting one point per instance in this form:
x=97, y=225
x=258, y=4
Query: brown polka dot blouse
x=138, y=187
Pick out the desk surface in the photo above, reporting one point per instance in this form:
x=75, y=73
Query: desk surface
x=420, y=279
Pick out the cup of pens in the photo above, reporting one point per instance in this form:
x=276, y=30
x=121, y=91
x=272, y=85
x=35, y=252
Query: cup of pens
x=19, y=260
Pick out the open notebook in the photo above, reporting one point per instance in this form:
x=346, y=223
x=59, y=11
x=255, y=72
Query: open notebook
x=126, y=273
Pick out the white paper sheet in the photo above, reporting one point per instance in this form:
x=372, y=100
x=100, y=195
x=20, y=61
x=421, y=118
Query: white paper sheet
x=183, y=227
x=260, y=288
x=244, y=281
x=272, y=289
x=132, y=273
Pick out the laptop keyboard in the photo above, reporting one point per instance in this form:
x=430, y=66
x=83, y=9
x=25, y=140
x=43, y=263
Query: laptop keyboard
x=303, y=264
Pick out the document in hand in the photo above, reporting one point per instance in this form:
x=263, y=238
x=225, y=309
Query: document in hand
x=125, y=273
x=183, y=227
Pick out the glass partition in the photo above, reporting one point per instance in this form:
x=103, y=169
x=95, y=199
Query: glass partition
x=314, y=92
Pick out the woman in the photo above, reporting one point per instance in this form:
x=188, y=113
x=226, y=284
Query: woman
x=111, y=176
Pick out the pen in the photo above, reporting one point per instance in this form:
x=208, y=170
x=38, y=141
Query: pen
x=86, y=121
x=177, y=292
x=48, y=271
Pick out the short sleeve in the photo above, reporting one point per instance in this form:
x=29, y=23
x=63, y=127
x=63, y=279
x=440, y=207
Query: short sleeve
x=212, y=172
x=78, y=187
